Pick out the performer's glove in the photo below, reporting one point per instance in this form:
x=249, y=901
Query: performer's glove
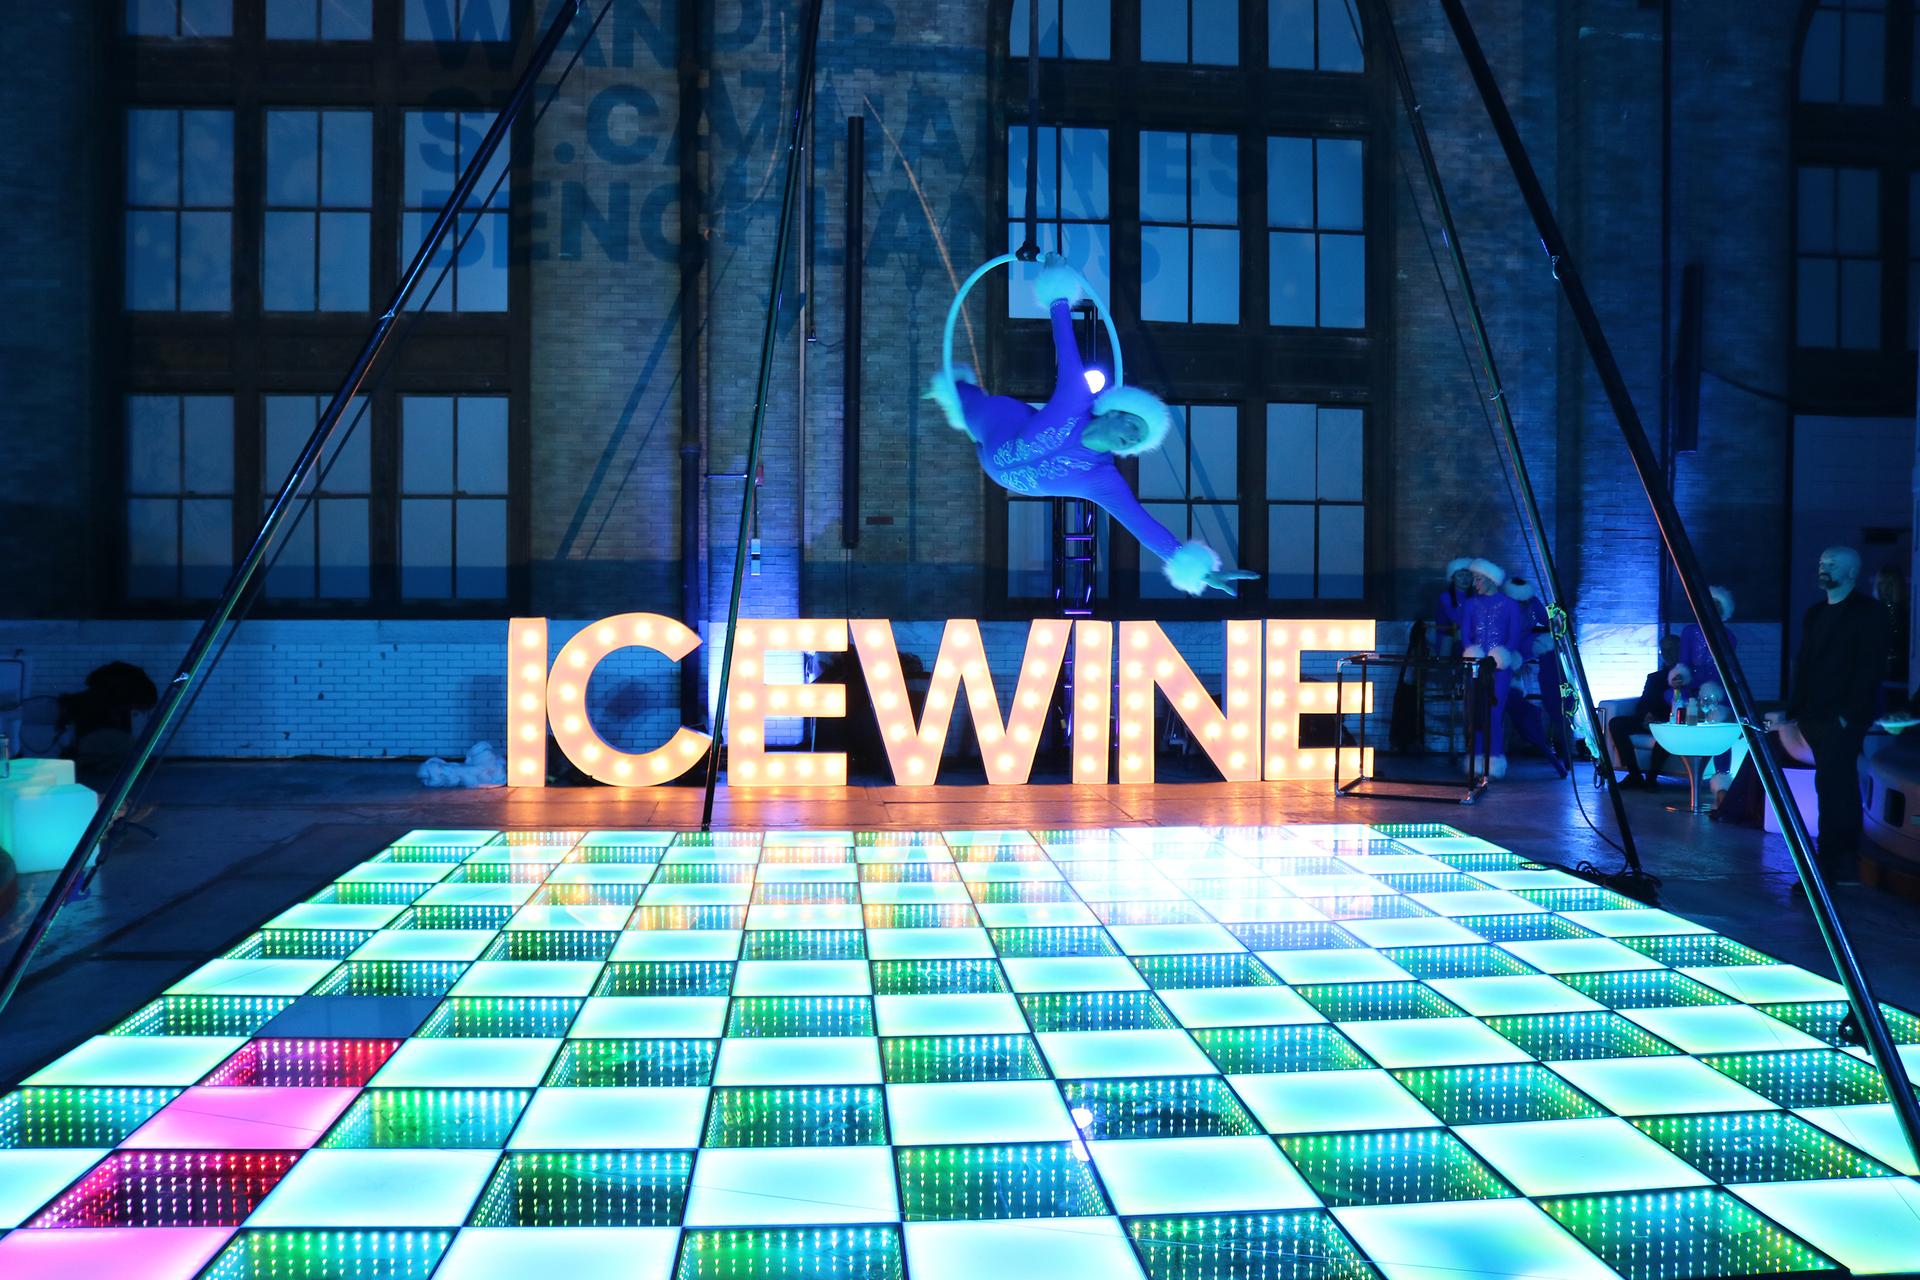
x=1057, y=282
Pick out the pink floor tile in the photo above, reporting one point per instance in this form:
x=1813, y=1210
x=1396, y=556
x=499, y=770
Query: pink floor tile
x=242, y=1119
x=167, y=1253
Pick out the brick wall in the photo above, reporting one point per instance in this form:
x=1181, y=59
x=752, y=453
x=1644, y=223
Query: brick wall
x=48, y=124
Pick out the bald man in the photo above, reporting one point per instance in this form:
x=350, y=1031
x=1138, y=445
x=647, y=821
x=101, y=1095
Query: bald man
x=1836, y=677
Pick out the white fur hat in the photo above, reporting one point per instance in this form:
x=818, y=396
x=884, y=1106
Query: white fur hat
x=1723, y=598
x=1144, y=405
x=1519, y=588
x=1456, y=564
x=1488, y=569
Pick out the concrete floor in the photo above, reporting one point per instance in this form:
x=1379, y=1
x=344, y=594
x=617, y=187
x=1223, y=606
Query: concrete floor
x=237, y=842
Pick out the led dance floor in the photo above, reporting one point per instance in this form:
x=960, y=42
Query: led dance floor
x=1243, y=1054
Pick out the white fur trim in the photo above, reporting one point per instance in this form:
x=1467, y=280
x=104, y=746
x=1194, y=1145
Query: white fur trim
x=1187, y=568
x=1058, y=282
x=1542, y=644
x=944, y=392
x=1519, y=589
x=1505, y=658
x=1144, y=405
x=1497, y=767
x=1473, y=651
x=1456, y=564
x=1723, y=598
x=1488, y=569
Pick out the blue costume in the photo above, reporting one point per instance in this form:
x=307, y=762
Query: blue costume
x=1039, y=452
x=1492, y=626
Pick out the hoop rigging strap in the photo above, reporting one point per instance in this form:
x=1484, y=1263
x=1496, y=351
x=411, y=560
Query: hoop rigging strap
x=980, y=272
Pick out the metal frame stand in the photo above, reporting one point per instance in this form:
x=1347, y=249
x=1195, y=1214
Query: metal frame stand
x=1398, y=789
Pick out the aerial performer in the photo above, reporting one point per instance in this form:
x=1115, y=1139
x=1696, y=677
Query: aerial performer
x=1067, y=447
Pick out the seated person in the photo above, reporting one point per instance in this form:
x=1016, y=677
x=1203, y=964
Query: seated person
x=1452, y=603
x=1656, y=703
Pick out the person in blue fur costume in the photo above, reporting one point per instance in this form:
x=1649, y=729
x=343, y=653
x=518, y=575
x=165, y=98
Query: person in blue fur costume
x=1493, y=628
x=1067, y=447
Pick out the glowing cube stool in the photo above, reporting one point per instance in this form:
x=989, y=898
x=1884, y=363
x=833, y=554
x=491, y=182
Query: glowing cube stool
x=1800, y=782
x=40, y=823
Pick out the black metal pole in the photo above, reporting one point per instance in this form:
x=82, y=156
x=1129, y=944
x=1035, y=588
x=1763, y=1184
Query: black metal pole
x=1029, y=249
x=691, y=73
x=180, y=689
x=1692, y=581
x=802, y=107
x=1558, y=610
x=855, y=268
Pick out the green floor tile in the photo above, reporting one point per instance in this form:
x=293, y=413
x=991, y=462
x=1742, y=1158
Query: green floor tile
x=38, y=1116
x=936, y=977
x=1404, y=1166
x=586, y=1189
x=1508, y=1093
x=500, y=873
x=1303, y=1245
x=1295, y=935
x=1166, y=1107
x=1697, y=950
x=919, y=915
x=429, y=1118
x=1097, y=1011
x=706, y=917
x=909, y=873
x=960, y=1059
x=758, y=1016
x=203, y=1016
x=587, y=895
x=810, y=854
x=1472, y=961
x=1378, y=1001
x=552, y=944
x=1074, y=940
x=1483, y=861
x=537, y=1017
x=1416, y=830
x=1266, y=1050
x=1149, y=912
x=1822, y=1019
x=1428, y=881
x=391, y=978
x=1562, y=1037
x=1595, y=899
x=1230, y=888
x=805, y=894
x=804, y=944
x=998, y=891
x=789, y=1253
x=1644, y=989
x=1523, y=926
x=1667, y=1235
x=300, y=944
x=810, y=1116
x=329, y=1255
x=371, y=893
x=454, y=917
x=665, y=978
x=1758, y=1146
x=1282, y=867
x=1043, y=1180
x=1375, y=907
x=704, y=873
x=617, y=855
x=1191, y=972
x=1804, y=1077
x=618, y=1064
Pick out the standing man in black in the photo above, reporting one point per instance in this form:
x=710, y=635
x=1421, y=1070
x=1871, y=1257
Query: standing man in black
x=1836, y=677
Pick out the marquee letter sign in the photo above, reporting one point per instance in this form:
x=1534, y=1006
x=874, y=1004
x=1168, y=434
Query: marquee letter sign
x=1250, y=733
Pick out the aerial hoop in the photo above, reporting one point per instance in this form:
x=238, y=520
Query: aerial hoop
x=979, y=272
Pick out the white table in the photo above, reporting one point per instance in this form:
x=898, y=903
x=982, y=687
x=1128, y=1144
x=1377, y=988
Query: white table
x=1694, y=744
x=43, y=813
